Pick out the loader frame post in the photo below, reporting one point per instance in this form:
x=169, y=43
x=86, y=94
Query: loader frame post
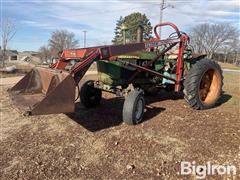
x=180, y=63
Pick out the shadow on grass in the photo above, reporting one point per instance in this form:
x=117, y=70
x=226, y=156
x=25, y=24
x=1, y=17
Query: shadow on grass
x=164, y=95
x=225, y=98
x=108, y=114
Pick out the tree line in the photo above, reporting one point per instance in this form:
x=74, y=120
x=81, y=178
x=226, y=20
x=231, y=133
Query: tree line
x=217, y=41
x=59, y=40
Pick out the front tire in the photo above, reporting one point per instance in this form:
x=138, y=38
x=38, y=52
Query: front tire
x=133, y=108
x=203, y=84
x=90, y=96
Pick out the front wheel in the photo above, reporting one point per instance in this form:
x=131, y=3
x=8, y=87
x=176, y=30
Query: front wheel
x=203, y=84
x=133, y=108
x=90, y=96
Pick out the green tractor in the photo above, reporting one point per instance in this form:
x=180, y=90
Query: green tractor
x=201, y=81
x=130, y=71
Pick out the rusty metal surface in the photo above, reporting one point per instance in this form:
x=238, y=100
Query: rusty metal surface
x=60, y=100
x=44, y=91
x=29, y=83
x=25, y=102
x=53, y=84
x=115, y=50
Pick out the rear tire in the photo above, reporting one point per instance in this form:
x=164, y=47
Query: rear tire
x=203, y=84
x=133, y=108
x=90, y=96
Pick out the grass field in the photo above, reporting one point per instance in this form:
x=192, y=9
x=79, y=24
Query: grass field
x=232, y=85
x=229, y=66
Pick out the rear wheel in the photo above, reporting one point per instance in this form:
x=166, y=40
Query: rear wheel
x=90, y=96
x=133, y=108
x=203, y=84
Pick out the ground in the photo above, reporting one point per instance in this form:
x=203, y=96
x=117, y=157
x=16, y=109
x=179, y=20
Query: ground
x=96, y=144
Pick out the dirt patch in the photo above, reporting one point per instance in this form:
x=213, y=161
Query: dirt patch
x=95, y=144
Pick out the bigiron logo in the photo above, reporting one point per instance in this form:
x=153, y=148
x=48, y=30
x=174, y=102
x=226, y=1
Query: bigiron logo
x=201, y=171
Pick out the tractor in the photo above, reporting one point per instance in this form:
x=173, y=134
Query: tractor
x=131, y=71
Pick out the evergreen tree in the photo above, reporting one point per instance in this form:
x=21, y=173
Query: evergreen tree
x=132, y=22
x=118, y=32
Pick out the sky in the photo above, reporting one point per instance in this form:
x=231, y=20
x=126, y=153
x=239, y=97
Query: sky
x=36, y=19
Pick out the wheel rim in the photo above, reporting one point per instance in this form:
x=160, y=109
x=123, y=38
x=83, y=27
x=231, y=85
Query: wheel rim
x=139, y=109
x=209, y=86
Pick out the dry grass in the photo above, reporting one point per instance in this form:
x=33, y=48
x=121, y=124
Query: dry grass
x=21, y=69
x=229, y=66
x=232, y=88
x=95, y=144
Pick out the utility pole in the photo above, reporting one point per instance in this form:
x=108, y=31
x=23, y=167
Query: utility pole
x=162, y=7
x=161, y=15
x=84, y=38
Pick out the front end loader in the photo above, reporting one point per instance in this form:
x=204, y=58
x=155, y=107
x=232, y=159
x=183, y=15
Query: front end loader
x=44, y=91
x=130, y=71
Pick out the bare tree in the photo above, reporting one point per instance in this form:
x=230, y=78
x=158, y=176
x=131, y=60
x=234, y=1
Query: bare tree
x=209, y=38
x=62, y=39
x=45, y=53
x=8, y=32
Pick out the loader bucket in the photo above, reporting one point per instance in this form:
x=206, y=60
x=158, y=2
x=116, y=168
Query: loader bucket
x=44, y=91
